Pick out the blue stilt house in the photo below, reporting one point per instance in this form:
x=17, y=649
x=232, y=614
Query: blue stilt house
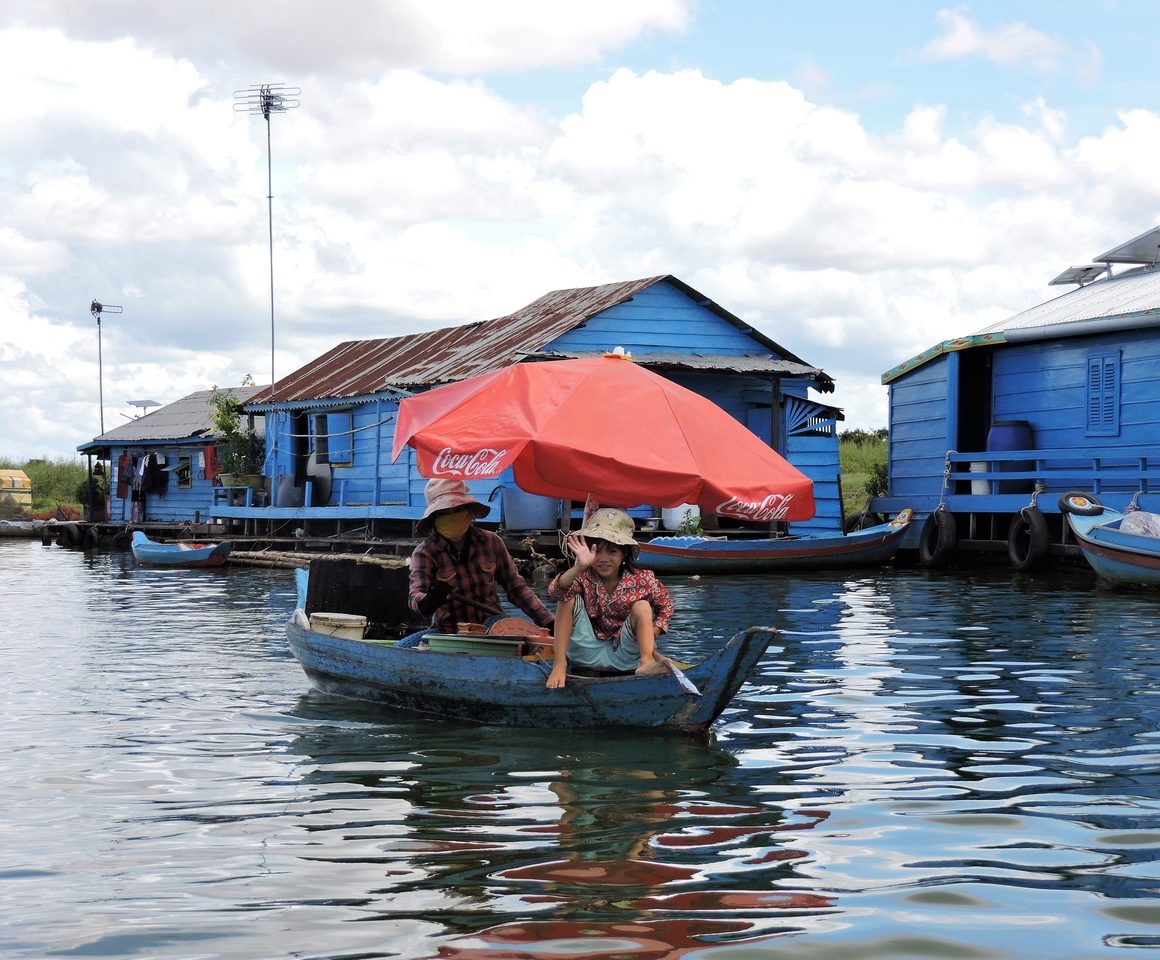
x=994, y=426
x=161, y=467
x=329, y=425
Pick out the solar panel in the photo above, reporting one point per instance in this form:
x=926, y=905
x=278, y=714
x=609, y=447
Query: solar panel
x=1080, y=275
x=1142, y=249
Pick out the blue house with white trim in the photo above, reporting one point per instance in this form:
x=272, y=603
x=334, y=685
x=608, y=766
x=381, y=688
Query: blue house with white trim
x=329, y=425
x=993, y=427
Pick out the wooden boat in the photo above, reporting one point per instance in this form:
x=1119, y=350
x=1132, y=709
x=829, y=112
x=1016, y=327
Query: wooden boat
x=501, y=687
x=179, y=553
x=1111, y=542
x=871, y=545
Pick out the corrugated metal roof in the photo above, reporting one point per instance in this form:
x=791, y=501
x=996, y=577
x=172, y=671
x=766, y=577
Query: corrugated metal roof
x=1128, y=294
x=758, y=365
x=184, y=419
x=363, y=367
x=1120, y=302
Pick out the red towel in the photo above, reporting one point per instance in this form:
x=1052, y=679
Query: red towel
x=211, y=464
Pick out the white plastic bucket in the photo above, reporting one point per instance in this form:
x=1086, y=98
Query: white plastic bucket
x=349, y=626
x=673, y=517
x=979, y=486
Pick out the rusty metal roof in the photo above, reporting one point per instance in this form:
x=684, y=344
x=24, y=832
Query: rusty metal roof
x=366, y=367
x=758, y=365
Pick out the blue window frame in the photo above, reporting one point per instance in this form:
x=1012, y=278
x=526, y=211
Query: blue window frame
x=1103, y=395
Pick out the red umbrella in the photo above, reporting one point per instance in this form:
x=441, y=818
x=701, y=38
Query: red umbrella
x=602, y=427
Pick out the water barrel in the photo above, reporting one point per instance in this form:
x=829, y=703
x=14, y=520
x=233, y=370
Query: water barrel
x=1011, y=435
x=527, y=511
x=673, y=518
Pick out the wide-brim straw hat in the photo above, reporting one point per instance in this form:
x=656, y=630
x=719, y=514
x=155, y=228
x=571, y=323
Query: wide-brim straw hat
x=612, y=525
x=448, y=495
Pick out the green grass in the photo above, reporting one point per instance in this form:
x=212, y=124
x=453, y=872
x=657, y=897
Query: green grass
x=862, y=455
x=55, y=483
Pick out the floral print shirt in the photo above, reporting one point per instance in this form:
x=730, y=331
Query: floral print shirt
x=608, y=611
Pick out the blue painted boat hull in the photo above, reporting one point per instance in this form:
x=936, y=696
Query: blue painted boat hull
x=1118, y=558
x=156, y=554
x=872, y=545
x=512, y=690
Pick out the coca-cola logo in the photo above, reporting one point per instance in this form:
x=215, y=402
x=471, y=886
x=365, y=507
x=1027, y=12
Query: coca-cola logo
x=480, y=463
x=773, y=507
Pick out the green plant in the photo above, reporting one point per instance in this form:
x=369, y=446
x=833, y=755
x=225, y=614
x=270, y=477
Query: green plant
x=240, y=451
x=863, y=455
x=100, y=489
x=690, y=525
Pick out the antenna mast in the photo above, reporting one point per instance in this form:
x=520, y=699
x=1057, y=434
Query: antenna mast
x=267, y=98
x=96, y=308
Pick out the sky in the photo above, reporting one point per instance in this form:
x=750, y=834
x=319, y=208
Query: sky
x=857, y=181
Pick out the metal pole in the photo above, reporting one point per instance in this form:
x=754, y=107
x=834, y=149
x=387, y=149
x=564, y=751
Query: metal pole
x=96, y=308
x=267, y=98
x=100, y=373
x=270, y=205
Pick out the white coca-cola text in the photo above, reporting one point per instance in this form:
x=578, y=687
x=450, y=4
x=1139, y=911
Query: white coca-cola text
x=773, y=507
x=481, y=463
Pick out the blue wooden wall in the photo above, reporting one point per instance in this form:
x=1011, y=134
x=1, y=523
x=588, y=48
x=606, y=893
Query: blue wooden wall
x=1042, y=382
x=660, y=319
x=176, y=504
x=1045, y=383
x=920, y=428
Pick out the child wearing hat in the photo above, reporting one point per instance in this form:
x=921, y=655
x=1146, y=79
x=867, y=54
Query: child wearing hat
x=610, y=611
x=456, y=568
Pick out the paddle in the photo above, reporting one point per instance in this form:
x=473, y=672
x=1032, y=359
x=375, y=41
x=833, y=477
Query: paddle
x=679, y=674
x=486, y=608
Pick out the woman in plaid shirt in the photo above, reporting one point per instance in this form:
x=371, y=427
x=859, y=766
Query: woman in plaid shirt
x=610, y=611
x=455, y=555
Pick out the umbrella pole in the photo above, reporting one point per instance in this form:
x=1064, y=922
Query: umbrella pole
x=591, y=505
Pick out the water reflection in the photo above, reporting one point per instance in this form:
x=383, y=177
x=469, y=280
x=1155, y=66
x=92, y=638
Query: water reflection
x=925, y=764
x=603, y=832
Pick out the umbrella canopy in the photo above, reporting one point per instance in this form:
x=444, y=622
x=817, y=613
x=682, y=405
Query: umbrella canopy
x=602, y=427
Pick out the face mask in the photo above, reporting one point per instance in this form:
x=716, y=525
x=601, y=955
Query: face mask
x=453, y=525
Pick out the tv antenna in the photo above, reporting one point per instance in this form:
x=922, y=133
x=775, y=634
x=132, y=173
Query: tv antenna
x=96, y=308
x=268, y=98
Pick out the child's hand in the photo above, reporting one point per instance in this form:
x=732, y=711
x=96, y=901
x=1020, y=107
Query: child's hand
x=583, y=554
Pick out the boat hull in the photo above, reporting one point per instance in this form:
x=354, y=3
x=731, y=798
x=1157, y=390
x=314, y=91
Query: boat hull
x=1118, y=558
x=181, y=555
x=513, y=691
x=873, y=545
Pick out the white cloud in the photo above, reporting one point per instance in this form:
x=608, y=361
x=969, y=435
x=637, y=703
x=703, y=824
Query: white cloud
x=408, y=198
x=1010, y=43
x=354, y=38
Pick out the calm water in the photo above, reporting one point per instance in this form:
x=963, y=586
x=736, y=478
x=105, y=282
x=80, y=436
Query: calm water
x=929, y=765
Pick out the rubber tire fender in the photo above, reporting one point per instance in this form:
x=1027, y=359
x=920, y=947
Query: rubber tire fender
x=938, y=539
x=1081, y=504
x=1027, y=540
x=860, y=521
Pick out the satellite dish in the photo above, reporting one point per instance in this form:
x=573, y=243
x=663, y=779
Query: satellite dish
x=319, y=474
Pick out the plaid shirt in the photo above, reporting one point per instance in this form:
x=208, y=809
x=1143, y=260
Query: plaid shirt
x=474, y=570
x=609, y=611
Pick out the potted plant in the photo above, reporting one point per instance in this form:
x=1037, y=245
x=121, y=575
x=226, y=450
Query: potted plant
x=241, y=452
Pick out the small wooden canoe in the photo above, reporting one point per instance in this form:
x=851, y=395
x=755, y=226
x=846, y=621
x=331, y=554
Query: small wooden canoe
x=858, y=548
x=178, y=553
x=1120, y=555
x=501, y=688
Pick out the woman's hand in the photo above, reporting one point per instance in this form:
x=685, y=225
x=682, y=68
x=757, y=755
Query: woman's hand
x=556, y=677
